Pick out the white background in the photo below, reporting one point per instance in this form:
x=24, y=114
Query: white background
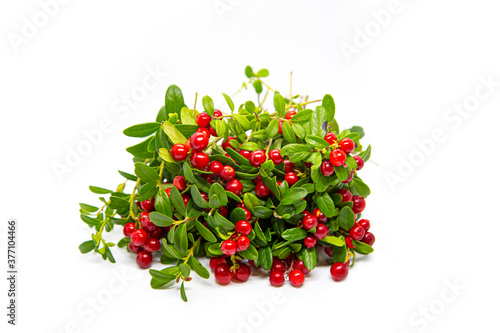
x=436, y=226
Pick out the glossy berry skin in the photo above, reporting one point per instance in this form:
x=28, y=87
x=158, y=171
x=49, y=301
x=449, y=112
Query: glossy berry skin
x=349, y=179
x=348, y=242
x=243, y=272
x=261, y=190
x=152, y=245
x=357, y=232
x=203, y=119
x=217, y=113
x=228, y=247
x=347, y=145
x=215, y=167
x=245, y=153
x=337, y=157
x=226, y=144
x=198, y=141
x=216, y=261
x=223, y=273
x=289, y=166
x=309, y=222
x=128, y=229
x=321, y=231
x=242, y=243
x=329, y=251
x=146, y=222
x=290, y=114
x=200, y=160
x=139, y=237
x=346, y=195
x=180, y=183
x=204, y=195
x=179, y=152
x=202, y=130
x=167, y=191
x=257, y=158
x=291, y=178
x=280, y=127
x=227, y=173
x=299, y=264
x=310, y=241
x=134, y=249
x=365, y=224
x=330, y=137
x=327, y=168
x=296, y=277
x=186, y=197
x=144, y=259
x=359, y=204
x=243, y=227
x=369, y=238
x=212, y=131
x=360, y=162
x=278, y=266
x=248, y=215
x=148, y=205
x=339, y=271
x=156, y=233
x=277, y=278
x=207, y=177
x=223, y=211
x=275, y=156
x=235, y=186
x=319, y=214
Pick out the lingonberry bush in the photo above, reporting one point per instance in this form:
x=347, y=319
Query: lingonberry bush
x=250, y=186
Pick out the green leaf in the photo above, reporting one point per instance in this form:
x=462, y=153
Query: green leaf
x=146, y=173
x=160, y=219
x=208, y=105
x=273, y=128
x=197, y=198
x=177, y=202
x=168, y=250
x=317, y=142
x=188, y=117
x=222, y=222
x=90, y=220
x=180, y=238
x=341, y=172
x=249, y=72
x=165, y=155
x=365, y=155
x=288, y=132
x=263, y=73
x=333, y=240
x=198, y=268
x=183, y=292
x=262, y=212
x=295, y=148
x=329, y=105
x=173, y=133
x=185, y=270
x=339, y=253
x=88, y=208
x=161, y=276
x=317, y=120
x=251, y=201
x=258, y=86
x=250, y=146
x=218, y=191
x=325, y=204
x=243, y=121
x=237, y=157
x=87, y=246
x=141, y=130
x=279, y=104
x=250, y=106
x=359, y=130
x=346, y=218
x=162, y=115
x=128, y=176
x=309, y=257
x=141, y=149
x=293, y=195
x=229, y=101
x=205, y=232
x=99, y=190
x=362, y=248
x=162, y=204
x=174, y=101
x=250, y=253
x=361, y=187
x=351, y=162
x=303, y=116
x=294, y=234
x=265, y=258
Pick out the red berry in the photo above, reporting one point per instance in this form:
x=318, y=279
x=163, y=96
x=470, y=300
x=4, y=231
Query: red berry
x=245, y=153
x=226, y=144
x=223, y=211
x=310, y=241
x=203, y=119
x=346, y=195
x=228, y=247
x=329, y=250
x=309, y=222
x=243, y=227
x=275, y=156
x=144, y=259
x=248, y=215
x=369, y=238
x=330, y=137
x=278, y=266
x=347, y=145
x=207, y=177
x=179, y=152
x=242, y=243
x=217, y=113
x=296, y=277
x=337, y=157
x=291, y=178
x=223, y=273
x=339, y=271
x=277, y=278
x=359, y=204
x=299, y=264
x=348, y=180
x=152, y=245
x=258, y=179
x=167, y=190
x=327, y=168
x=227, y=173
x=290, y=114
x=198, y=141
x=156, y=233
x=234, y=186
x=200, y=160
x=216, y=261
x=365, y=224
x=321, y=231
x=180, y=183
x=212, y=131
x=257, y=158
x=204, y=196
x=289, y=166
x=280, y=127
x=360, y=162
x=239, y=205
x=148, y=205
x=348, y=242
x=128, y=229
x=188, y=145
x=215, y=167
x=139, y=237
x=146, y=222
x=261, y=190
x=319, y=214
x=357, y=232
x=243, y=272
x=134, y=249
x=202, y=130
x=186, y=198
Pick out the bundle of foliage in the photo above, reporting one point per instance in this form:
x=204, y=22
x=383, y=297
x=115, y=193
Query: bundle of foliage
x=248, y=187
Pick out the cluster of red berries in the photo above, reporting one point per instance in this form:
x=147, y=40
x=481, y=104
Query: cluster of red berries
x=241, y=231
x=292, y=267
x=224, y=273
x=338, y=156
